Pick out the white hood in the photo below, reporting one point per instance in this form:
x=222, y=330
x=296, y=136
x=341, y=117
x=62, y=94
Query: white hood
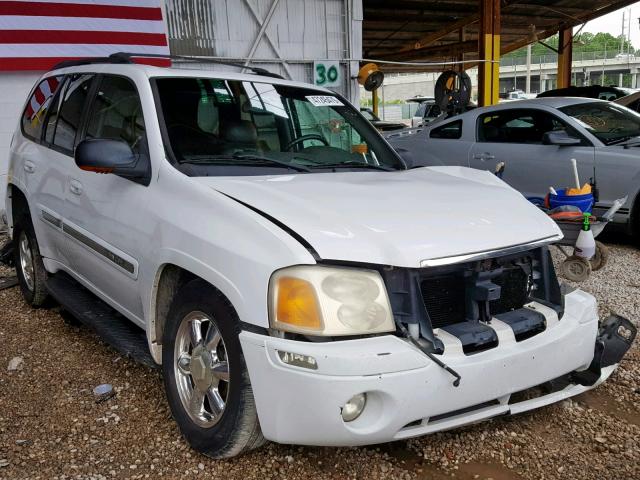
x=394, y=218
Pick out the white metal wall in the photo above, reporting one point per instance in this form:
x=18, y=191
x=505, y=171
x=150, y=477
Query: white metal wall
x=14, y=88
x=284, y=36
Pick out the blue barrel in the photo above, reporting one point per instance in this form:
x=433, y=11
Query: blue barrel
x=583, y=202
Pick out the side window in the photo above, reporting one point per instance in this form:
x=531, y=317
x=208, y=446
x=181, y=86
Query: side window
x=451, y=130
x=70, y=116
x=116, y=113
x=52, y=117
x=421, y=110
x=35, y=112
x=517, y=126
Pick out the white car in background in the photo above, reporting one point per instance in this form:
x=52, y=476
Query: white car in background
x=261, y=241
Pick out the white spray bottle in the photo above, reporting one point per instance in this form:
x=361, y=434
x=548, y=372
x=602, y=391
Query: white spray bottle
x=586, y=244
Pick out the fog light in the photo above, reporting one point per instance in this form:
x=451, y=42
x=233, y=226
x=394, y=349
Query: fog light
x=298, y=360
x=354, y=407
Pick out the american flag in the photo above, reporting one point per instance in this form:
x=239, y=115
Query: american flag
x=35, y=35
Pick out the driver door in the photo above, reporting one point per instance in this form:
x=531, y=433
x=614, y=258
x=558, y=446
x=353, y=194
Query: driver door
x=107, y=215
x=515, y=137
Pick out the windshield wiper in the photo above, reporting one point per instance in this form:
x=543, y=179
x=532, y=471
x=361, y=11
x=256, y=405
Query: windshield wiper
x=354, y=165
x=626, y=141
x=244, y=160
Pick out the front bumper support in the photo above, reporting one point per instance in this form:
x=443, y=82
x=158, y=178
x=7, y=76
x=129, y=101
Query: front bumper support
x=615, y=336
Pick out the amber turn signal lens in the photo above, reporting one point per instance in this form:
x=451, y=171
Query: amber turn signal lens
x=297, y=304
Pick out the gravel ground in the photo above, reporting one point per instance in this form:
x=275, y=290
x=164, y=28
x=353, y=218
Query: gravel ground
x=51, y=427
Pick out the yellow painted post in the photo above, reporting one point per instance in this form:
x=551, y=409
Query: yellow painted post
x=565, y=52
x=489, y=69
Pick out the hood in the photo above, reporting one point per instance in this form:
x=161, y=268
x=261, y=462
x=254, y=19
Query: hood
x=394, y=218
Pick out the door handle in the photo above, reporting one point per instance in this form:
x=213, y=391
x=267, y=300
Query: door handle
x=75, y=187
x=484, y=156
x=29, y=167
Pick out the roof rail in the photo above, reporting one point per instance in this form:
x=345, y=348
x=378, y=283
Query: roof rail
x=190, y=58
x=113, y=58
x=127, y=57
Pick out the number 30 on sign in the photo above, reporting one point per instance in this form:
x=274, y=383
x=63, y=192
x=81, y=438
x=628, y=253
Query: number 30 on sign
x=327, y=73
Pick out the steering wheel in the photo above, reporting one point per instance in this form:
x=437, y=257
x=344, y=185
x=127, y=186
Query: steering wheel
x=304, y=138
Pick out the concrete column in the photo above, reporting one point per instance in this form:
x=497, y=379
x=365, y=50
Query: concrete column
x=489, y=69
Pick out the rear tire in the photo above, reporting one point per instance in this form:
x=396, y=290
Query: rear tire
x=30, y=269
x=205, y=375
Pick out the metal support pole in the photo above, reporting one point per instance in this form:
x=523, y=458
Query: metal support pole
x=527, y=87
x=565, y=52
x=374, y=102
x=462, y=37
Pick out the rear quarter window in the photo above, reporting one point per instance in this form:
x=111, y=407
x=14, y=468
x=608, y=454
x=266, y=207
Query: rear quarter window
x=35, y=112
x=452, y=130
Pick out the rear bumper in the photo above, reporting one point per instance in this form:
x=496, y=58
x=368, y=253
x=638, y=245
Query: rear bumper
x=407, y=394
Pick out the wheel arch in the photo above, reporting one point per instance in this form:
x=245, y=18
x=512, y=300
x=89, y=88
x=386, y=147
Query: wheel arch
x=169, y=278
x=17, y=205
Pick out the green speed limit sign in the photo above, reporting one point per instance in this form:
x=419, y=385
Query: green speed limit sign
x=327, y=73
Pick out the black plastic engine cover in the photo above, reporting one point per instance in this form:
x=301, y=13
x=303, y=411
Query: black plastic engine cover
x=524, y=322
x=475, y=337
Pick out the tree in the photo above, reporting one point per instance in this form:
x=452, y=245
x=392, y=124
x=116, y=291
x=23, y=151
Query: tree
x=584, y=42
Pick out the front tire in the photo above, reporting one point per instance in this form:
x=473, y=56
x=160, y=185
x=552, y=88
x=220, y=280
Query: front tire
x=30, y=269
x=205, y=375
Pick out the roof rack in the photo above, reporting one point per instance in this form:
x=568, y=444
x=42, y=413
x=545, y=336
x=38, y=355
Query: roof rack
x=127, y=57
x=113, y=58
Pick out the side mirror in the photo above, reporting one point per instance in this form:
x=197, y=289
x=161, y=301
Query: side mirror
x=101, y=155
x=560, y=138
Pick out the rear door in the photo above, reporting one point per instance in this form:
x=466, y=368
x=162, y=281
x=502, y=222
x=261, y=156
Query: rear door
x=104, y=212
x=48, y=157
x=513, y=137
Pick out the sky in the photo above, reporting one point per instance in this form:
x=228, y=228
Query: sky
x=612, y=23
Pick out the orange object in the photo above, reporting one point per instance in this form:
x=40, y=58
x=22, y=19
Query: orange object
x=360, y=148
x=586, y=189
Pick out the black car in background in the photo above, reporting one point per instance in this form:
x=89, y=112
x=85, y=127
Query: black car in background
x=381, y=125
x=592, y=91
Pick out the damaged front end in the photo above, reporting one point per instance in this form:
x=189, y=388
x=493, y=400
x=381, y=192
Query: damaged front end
x=464, y=301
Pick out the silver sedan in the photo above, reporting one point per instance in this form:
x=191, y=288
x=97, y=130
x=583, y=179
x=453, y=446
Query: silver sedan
x=535, y=140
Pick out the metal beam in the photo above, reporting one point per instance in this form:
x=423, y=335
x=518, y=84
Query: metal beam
x=263, y=28
x=446, y=50
x=276, y=50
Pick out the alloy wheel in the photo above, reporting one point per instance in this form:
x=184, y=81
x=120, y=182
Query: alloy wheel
x=201, y=369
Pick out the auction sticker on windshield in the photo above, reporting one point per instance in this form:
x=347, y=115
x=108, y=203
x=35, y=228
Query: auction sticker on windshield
x=324, y=101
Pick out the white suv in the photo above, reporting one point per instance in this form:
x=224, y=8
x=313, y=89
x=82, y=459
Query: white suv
x=295, y=281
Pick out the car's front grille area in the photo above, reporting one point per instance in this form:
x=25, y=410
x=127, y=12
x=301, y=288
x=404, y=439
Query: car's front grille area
x=444, y=298
x=444, y=295
x=514, y=291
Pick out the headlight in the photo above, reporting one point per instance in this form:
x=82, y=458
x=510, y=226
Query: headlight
x=331, y=301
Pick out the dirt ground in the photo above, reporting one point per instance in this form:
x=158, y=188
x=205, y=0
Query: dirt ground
x=51, y=427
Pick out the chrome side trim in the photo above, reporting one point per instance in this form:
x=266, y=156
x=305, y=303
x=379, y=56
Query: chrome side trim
x=47, y=217
x=473, y=256
x=96, y=247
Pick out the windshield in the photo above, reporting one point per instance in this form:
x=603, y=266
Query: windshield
x=609, y=122
x=232, y=127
